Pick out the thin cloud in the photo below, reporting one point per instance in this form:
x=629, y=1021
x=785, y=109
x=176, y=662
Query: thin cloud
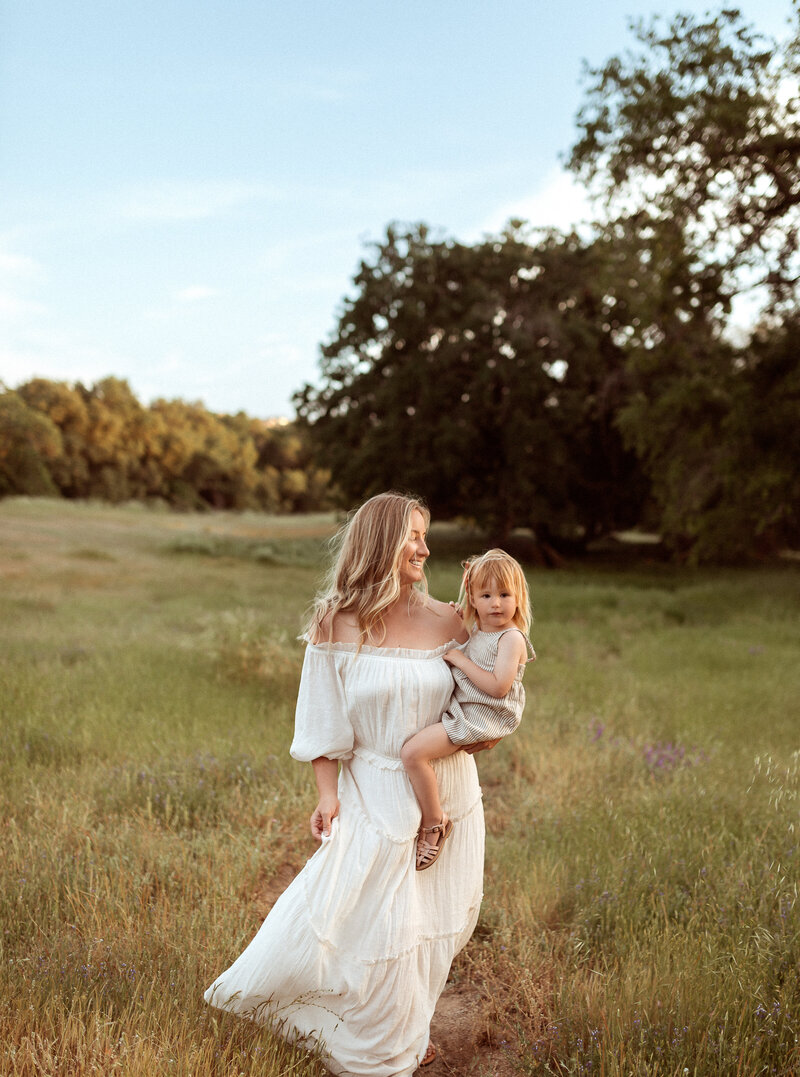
x=17, y=271
x=280, y=349
x=280, y=254
x=173, y=201
x=559, y=202
x=18, y=266
x=57, y=357
x=196, y=293
x=323, y=87
x=15, y=309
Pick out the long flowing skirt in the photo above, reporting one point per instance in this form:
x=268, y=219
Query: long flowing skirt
x=356, y=951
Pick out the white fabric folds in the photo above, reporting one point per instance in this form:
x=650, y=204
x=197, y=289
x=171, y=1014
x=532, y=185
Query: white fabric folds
x=356, y=951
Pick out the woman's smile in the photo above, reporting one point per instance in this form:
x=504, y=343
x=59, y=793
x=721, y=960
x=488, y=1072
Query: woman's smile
x=415, y=551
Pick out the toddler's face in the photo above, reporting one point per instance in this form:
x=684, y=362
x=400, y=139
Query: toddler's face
x=495, y=605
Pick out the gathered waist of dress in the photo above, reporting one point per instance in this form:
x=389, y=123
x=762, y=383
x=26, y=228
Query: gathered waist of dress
x=375, y=759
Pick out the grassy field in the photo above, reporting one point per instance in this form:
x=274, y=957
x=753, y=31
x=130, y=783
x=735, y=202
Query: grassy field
x=641, y=911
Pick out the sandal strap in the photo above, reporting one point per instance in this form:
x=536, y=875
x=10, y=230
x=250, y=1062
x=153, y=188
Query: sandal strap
x=427, y=852
x=433, y=829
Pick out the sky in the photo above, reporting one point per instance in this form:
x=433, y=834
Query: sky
x=187, y=187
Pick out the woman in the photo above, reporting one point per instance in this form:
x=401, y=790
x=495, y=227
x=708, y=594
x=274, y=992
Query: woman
x=355, y=953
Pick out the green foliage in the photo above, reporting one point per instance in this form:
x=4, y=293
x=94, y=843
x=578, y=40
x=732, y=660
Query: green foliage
x=695, y=142
x=701, y=128
x=758, y=508
x=570, y=385
x=575, y=385
x=713, y=425
x=100, y=442
x=486, y=378
x=29, y=442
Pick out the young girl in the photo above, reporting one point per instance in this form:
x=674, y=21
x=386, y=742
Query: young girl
x=488, y=698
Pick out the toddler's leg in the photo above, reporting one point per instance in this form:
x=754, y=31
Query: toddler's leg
x=432, y=742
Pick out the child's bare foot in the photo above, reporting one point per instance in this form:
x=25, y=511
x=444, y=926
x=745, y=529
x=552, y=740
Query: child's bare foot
x=430, y=840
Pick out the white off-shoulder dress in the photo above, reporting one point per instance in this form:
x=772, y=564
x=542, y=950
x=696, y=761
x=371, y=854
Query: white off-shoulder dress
x=356, y=951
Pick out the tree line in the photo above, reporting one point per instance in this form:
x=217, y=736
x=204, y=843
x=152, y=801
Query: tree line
x=101, y=442
x=572, y=383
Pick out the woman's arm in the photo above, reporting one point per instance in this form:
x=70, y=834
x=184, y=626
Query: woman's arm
x=326, y=773
x=511, y=653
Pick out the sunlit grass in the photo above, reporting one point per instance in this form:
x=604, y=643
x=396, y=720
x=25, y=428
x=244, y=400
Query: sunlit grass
x=640, y=912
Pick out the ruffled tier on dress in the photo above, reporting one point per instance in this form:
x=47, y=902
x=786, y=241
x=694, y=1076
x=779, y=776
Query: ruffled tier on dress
x=356, y=951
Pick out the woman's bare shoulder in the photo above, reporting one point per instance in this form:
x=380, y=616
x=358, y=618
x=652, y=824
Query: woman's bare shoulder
x=338, y=628
x=446, y=616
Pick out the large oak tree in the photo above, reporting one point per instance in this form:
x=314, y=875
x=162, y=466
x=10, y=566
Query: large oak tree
x=485, y=377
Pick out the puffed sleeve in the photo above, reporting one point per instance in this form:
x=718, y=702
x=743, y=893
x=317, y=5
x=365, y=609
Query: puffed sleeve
x=321, y=723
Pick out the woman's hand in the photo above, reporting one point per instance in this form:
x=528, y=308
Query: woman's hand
x=481, y=746
x=322, y=817
x=326, y=773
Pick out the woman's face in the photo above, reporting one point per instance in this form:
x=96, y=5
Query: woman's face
x=412, y=560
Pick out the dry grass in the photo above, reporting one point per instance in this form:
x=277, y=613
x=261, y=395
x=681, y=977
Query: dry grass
x=641, y=902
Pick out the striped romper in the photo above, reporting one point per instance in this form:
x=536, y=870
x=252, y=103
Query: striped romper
x=473, y=715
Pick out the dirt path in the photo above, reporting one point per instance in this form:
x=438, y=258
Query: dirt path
x=459, y=1031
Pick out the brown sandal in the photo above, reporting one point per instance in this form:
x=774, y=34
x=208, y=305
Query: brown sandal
x=427, y=853
x=429, y=1056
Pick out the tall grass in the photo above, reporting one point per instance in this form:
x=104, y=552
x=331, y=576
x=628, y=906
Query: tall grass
x=641, y=901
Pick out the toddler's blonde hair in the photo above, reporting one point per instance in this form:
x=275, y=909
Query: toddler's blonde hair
x=500, y=566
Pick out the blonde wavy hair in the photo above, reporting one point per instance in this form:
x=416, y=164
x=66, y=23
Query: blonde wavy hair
x=364, y=578
x=499, y=566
